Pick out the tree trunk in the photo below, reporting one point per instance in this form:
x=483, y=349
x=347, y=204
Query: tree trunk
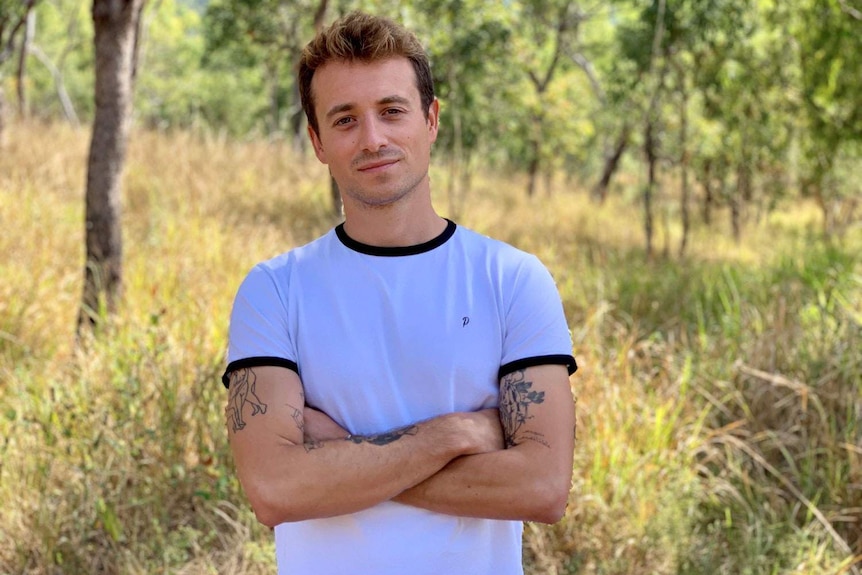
x=549, y=181
x=297, y=121
x=29, y=32
x=466, y=176
x=650, y=126
x=708, y=194
x=2, y=113
x=736, y=200
x=115, y=25
x=533, y=168
x=319, y=16
x=272, y=72
x=652, y=160
x=612, y=162
x=457, y=151
x=683, y=144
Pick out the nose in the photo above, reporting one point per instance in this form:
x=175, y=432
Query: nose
x=372, y=135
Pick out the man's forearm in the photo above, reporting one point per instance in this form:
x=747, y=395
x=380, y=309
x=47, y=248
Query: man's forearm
x=497, y=485
x=530, y=480
x=503, y=484
x=324, y=478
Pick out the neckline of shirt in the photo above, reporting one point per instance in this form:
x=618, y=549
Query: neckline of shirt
x=395, y=251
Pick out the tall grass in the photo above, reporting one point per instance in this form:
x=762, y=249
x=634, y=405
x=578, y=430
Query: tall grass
x=719, y=397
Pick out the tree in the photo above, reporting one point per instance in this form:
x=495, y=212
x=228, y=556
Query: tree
x=645, y=43
x=829, y=40
x=717, y=60
x=60, y=62
x=616, y=91
x=746, y=78
x=116, y=28
x=469, y=84
x=269, y=34
x=550, y=27
x=29, y=30
x=14, y=15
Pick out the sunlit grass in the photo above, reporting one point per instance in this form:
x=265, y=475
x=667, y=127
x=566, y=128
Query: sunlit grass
x=719, y=395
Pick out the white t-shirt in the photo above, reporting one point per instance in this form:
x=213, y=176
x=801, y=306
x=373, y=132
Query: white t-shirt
x=386, y=337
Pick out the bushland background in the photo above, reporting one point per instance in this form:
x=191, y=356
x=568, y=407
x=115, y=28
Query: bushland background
x=689, y=171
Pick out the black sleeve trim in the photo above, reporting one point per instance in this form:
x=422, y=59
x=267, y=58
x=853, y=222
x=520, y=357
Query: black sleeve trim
x=256, y=362
x=567, y=360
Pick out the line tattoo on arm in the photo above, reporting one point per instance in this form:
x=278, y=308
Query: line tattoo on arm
x=384, y=438
x=308, y=442
x=242, y=392
x=516, y=397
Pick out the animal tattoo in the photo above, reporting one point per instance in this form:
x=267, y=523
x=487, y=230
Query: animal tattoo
x=384, y=438
x=242, y=391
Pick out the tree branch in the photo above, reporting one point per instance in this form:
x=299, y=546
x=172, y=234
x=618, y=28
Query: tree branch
x=853, y=12
x=65, y=101
x=581, y=61
x=10, y=41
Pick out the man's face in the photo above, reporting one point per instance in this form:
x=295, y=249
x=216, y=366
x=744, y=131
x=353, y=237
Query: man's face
x=373, y=132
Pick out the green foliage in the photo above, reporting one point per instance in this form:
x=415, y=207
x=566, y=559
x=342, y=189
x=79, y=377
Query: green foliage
x=174, y=90
x=12, y=22
x=768, y=90
x=64, y=39
x=266, y=36
x=831, y=61
x=829, y=36
x=471, y=86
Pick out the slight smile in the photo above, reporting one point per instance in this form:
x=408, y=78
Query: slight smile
x=377, y=166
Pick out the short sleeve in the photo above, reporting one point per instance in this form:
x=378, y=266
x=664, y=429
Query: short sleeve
x=259, y=324
x=536, y=331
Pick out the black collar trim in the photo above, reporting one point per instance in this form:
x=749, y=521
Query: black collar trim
x=397, y=250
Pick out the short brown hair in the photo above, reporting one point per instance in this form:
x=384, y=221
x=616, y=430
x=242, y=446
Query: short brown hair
x=365, y=38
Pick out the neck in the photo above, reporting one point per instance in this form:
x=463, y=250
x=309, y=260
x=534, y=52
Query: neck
x=393, y=226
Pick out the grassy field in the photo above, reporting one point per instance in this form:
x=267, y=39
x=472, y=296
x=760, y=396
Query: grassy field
x=719, y=396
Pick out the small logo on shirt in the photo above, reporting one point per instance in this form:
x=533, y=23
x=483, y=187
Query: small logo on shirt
x=464, y=321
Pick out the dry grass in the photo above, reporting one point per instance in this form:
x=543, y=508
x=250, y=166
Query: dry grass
x=719, y=398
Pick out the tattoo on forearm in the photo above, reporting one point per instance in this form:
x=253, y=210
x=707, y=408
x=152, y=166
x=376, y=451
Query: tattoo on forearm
x=242, y=392
x=516, y=397
x=385, y=437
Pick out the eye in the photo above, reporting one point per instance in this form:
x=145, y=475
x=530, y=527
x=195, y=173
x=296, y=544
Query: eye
x=392, y=111
x=343, y=121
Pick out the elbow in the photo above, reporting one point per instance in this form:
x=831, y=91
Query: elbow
x=273, y=504
x=549, y=513
x=267, y=515
x=265, y=509
x=269, y=509
x=550, y=502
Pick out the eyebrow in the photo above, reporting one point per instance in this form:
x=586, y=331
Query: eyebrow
x=382, y=101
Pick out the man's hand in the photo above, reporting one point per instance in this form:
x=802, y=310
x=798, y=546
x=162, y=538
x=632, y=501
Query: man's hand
x=487, y=427
x=321, y=427
x=530, y=479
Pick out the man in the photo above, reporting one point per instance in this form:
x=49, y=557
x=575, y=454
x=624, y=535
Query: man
x=399, y=392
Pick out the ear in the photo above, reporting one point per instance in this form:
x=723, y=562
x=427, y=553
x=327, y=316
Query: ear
x=316, y=144
x=433, y=120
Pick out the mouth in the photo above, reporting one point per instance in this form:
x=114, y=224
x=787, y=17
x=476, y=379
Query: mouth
x=377, y=166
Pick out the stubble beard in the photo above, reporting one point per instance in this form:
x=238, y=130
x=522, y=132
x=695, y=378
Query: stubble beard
x=367, y=198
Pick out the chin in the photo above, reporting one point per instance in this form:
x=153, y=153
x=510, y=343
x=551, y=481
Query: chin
x=376, y=199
